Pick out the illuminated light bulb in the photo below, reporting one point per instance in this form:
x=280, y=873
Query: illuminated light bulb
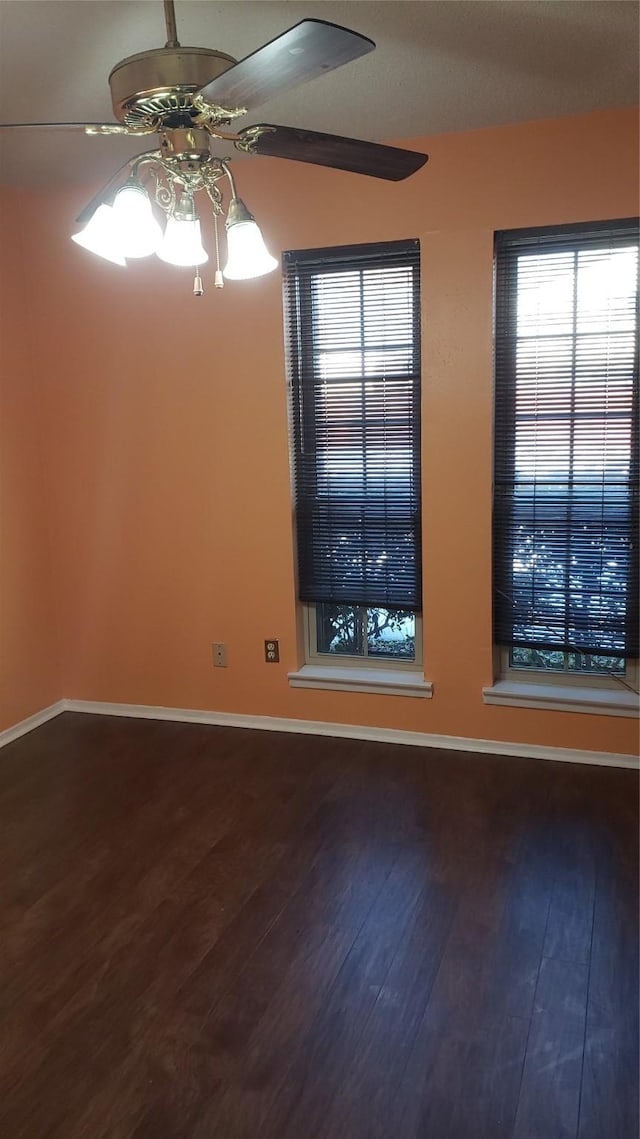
x=182, y=244
x=247, y=254
x=140, y=234
x=101, y=236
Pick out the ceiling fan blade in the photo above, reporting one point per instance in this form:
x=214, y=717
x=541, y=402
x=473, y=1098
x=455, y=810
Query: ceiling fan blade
x=310, y=48
x=372, y=158
x=88, y=128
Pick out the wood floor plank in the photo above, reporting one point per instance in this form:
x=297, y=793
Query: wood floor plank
x=364, y=1098
x=550, y=1091
x=117, y=981
x=609, y=1102
x=462, y=1082
x=339, y=1029
x=211, y=931
x=106, y=915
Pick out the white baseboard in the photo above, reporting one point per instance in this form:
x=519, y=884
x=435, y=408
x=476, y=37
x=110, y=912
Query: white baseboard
x=31, y=722
x=354, y=732
x=320, y=728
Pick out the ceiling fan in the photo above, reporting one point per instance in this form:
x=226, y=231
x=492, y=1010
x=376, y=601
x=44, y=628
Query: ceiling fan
x=187, y=96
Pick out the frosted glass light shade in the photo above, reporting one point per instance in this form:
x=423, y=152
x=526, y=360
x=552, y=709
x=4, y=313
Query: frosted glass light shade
x=140, y=234
x=100, y=236
x=182, y=243
x=247, y=254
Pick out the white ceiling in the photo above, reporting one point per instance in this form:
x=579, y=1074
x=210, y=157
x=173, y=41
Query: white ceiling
x=440, y=65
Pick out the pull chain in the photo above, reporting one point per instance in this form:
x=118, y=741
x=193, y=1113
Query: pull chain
x=218, y=279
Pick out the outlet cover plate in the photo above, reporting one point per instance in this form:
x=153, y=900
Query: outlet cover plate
x=271, y=651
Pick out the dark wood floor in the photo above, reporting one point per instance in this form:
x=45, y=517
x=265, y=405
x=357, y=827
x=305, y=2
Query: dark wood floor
x=214, y=933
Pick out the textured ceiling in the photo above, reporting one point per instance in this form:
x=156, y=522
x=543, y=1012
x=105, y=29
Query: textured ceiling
x=439, y=66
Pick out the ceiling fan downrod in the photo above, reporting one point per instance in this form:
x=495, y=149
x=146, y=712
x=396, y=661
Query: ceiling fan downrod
x=170, y=21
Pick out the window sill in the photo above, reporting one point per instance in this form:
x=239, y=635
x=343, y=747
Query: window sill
x=388, y=682
x=563, y=698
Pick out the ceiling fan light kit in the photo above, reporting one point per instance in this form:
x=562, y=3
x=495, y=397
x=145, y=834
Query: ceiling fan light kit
x=182, y=244
x=187, y=96
x=140, y=233
x=182, y=241
x=247, y=254
x=100, y=235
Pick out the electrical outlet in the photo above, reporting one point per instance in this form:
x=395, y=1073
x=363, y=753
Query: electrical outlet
x=271, y=652
x=219, y=654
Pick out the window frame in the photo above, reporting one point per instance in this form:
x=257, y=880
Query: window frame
x=345, y=660
x=505, y=674
x=504, y=670
x=298, y=357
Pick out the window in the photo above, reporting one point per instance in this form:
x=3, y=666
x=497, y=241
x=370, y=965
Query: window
x=566, y=452
x=354, y=630
x=353, y=330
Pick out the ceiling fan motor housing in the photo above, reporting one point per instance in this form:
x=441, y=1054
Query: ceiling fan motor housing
x=185, y=144
x=162, y=81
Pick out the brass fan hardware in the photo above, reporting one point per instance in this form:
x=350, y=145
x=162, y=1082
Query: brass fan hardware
x=170, y=21
x=188, y=95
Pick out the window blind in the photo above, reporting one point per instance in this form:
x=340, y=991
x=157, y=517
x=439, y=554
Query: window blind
x=353, y=331
x=566, y=439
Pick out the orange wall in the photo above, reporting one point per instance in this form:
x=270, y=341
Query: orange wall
x=29, y=659
x=168, y=453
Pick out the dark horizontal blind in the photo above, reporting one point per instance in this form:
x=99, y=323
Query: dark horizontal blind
x=566, y=439
x=353, y=316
